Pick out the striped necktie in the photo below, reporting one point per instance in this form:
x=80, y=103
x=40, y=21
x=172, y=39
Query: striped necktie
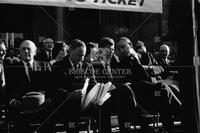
x=50, y=55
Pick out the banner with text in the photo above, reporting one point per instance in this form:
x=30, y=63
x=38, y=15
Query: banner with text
x=153, y=6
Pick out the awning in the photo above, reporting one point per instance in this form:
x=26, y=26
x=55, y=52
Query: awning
x=152, y=6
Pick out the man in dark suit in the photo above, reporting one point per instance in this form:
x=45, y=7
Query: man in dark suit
x=46, y=53
x=72, y=72
x=26, y=76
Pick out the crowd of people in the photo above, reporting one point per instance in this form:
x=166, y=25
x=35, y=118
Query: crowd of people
x=47, y=73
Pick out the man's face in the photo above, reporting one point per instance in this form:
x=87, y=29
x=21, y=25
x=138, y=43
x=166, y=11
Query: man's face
x=27, y=51
x=125, y=49
x=78, y=54
x=49, y=45
x=2, y=51
x=142, y=50
x=164, y=53
x=12, y=53
x=106, y=53
x=93, y=53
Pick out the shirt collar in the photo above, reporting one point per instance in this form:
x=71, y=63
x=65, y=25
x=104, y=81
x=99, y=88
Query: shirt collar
x=30, y=62
x=73, y=66
x=71, y=62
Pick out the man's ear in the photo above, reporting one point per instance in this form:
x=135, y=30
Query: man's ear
x=36, y=51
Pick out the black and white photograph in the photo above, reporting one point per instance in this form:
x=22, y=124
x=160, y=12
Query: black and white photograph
x=99, y=66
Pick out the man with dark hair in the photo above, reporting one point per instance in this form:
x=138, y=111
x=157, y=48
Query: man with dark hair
x=59, y=51
x=11, y=58
x=91, y=52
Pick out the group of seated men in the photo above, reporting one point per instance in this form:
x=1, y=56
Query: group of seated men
x=60, y=80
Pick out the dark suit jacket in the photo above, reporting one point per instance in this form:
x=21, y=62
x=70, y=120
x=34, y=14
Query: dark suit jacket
x=18, y=83
x=42, y=56
x=102, y=75
x=148, y=59
x=134, y=74
x=71, y=79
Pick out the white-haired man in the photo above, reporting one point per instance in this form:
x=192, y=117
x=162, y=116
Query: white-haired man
x=24, y=78
x=163, y=59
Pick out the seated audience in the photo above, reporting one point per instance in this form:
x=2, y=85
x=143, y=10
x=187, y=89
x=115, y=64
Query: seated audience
x=122, y=101
x=148, y=94
x=70, y=82
x=11, y=58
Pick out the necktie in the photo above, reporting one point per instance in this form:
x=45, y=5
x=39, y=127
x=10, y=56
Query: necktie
x=29, y=70
x=50, y=55
x=108, y=70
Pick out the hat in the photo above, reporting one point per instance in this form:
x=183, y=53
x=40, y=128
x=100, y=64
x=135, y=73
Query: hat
x=33, y=102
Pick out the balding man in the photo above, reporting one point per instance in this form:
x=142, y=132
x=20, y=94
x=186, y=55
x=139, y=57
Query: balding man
x=24, y=77
x=127, y=46
x=46, y=53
